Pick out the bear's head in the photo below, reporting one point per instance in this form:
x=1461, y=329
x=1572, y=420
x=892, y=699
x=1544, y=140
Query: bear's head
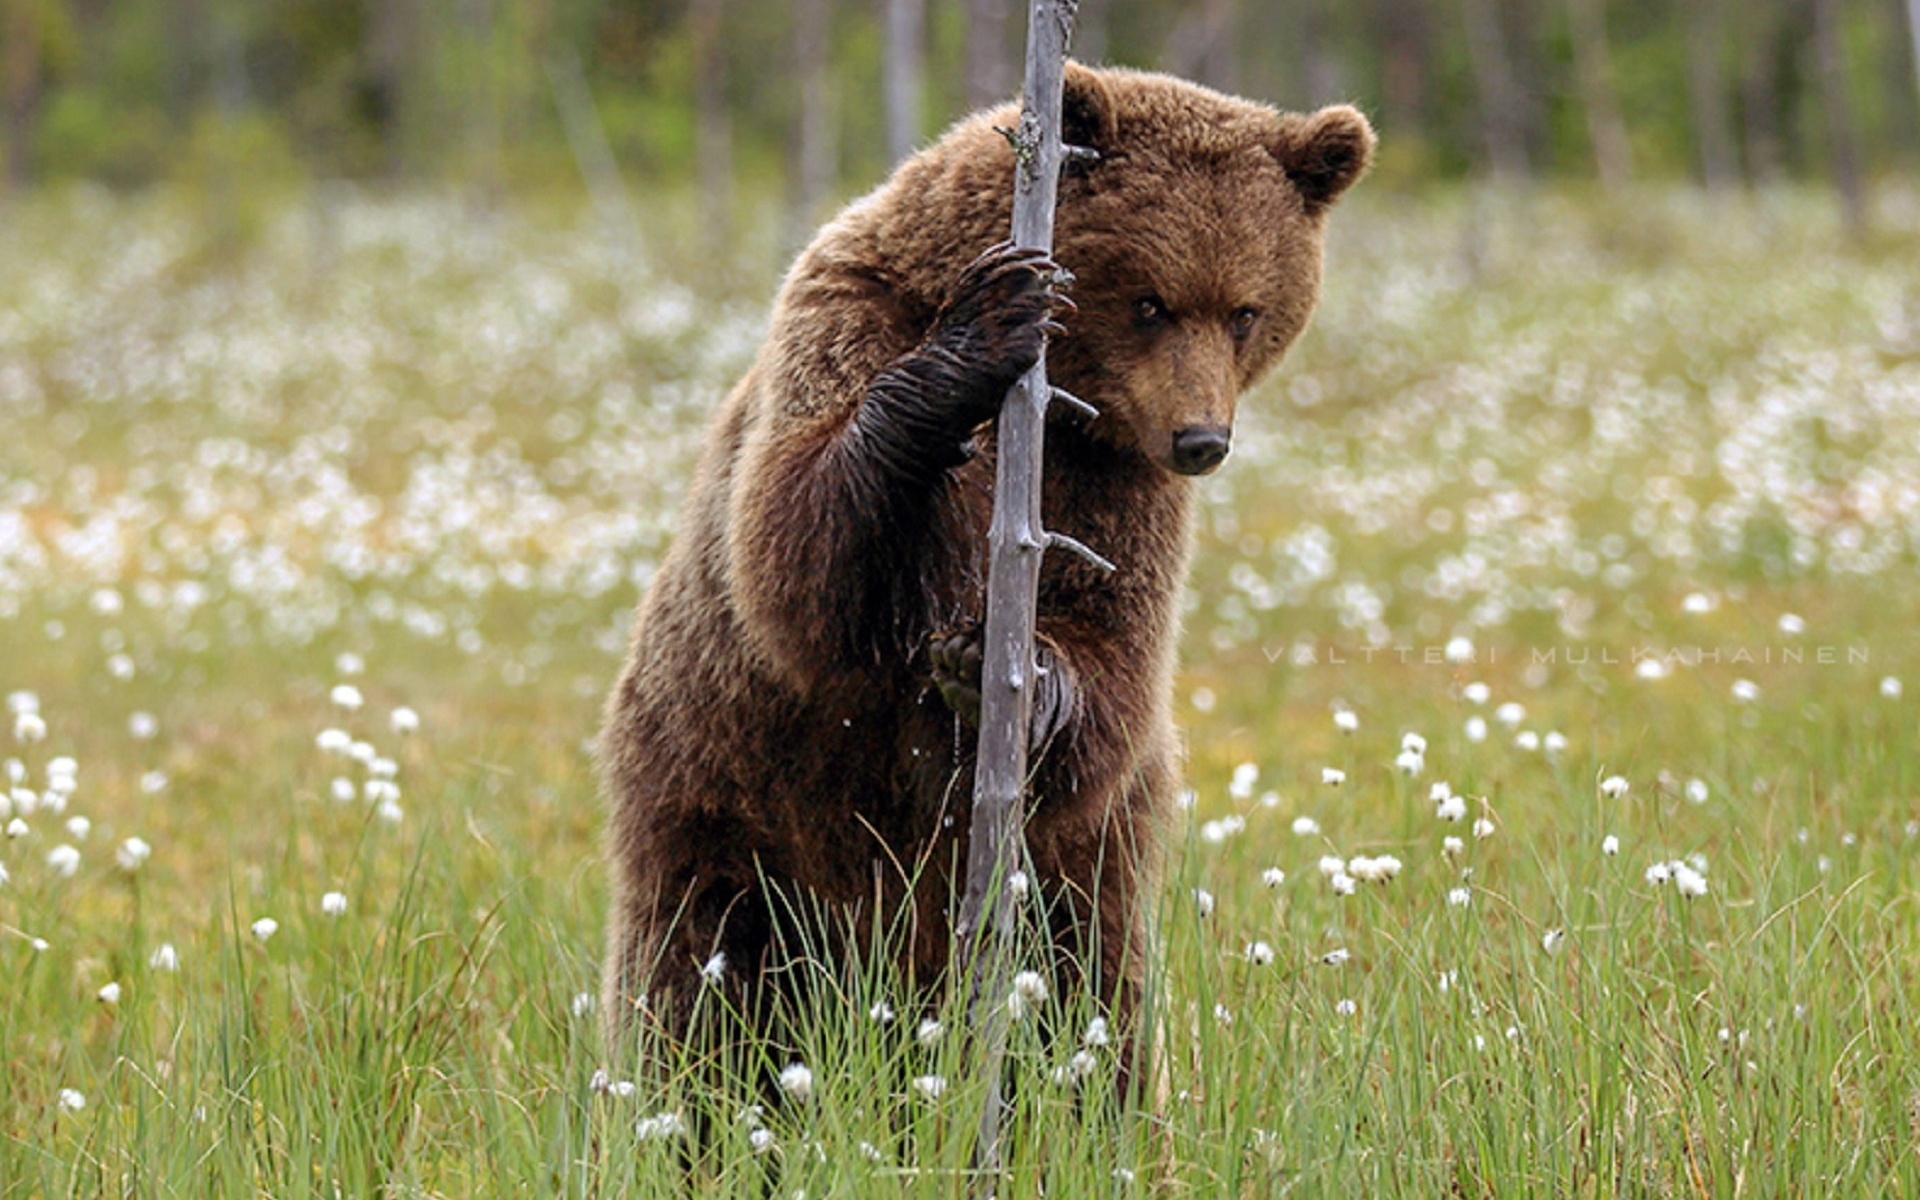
x=1195, y=242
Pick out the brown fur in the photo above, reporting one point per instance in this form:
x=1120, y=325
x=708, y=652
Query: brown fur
x=776, y=720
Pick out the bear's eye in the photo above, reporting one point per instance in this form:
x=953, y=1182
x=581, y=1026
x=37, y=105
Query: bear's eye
x=1241, y=321
x=1149, y=312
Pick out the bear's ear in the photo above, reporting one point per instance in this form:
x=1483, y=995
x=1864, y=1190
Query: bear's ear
x=1086, y=113
x=1324, y=152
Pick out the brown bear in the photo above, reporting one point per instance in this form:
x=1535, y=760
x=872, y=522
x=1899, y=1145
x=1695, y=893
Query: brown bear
x=796, y=716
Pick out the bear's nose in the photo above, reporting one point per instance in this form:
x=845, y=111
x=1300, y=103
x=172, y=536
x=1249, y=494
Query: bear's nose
x=1198, y=449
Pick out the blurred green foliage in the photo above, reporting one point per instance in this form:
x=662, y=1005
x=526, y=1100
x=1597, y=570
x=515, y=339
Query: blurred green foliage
x=133, y=92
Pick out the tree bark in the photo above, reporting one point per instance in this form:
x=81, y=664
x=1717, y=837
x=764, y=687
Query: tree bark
x=1842, y=149
x=1913, y=32
x=1706, y=94
x=1760, y=94
x=1593, y=66
x=905, y=73
x=1016, y=542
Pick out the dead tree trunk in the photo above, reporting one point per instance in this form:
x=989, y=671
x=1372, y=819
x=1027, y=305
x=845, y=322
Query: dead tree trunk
x=1842, y=150
x=1016, y=541
x=1501, y=119
x=905, y=70
x=1913, y=31
x=1593, y=66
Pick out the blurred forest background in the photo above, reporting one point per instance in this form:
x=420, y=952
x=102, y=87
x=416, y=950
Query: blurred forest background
x=741, y=101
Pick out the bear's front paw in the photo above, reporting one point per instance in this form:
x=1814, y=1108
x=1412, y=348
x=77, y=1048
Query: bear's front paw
x=998, y=319
x=956, y=659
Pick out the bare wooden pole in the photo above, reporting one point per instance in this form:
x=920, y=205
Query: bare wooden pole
x=1016, y=541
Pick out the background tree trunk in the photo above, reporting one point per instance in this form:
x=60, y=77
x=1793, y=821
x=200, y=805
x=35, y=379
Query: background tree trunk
x=1843, y=155
x=21, y=63
x=905, y=73
x=1502, y=131
x=989, y=62
x=1202, y=45
x=712, y=130
x=1593, y=68
x=812, y=168
x=1760, y=94
x=1706, y=94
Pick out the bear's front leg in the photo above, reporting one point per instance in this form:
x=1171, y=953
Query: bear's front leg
x=956, y=658
x=919, y=415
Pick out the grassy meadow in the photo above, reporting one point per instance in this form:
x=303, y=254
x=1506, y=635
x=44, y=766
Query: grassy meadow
x=1555, y=811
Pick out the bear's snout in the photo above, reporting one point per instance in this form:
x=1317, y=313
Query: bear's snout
x=1198, y=449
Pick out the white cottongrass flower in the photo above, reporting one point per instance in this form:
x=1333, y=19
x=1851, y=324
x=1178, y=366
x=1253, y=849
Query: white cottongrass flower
x=1450, y=807
x=153, y=783
x=1527, y=740
x=1483, y=828
x=1019, y=884
x=1554, y=742
x=265, y=928
x=1222, y=1014
x=404, y=720
x=1305, y=827
x=660, y=1127
x=343, y=790
x=132, y=854
x=1345, y=720
x=1332, y=776
x=1477, y=693
x=143, y=725
x=1336, y=957
x=796, y=1080
x=346, y=696
x=109, y=994
x=1203, y=902
x=164, y=958
x=348, y=663
x=1346, y=1008
x=583, y=1004
x=1890, y=687
x=1688, y=882
x=1610, y=845
x=334, y=904
x=1413, y=743
x=30, y=727
x=1453, y=847
x=1459, y=649
x=1510, y=714
x=1342, y=884
x=1096, y=1034
x=18, y=828
x=383, y=768
x=64, y=860
x=1331, y=865
x=1217, y=831
x=929, y=1032
x=715, y=968
x=1273, y=877
x=1030, y=986
x=1409, y=762
x=1792, y=625
x=389, y=811
x=1697, y=791
x=1374, y=869
x=334, y=741
x=1697, y=603
x=930, y=1087
x=1657, y=874
x=1745, y=691
x=1459, y=897
x=1651, y=668
x=762, y=1140
x=1259, y=953
x=1614, y=786
x=1476, y=728
x=71, y=1100
x=1244, y=777
x=1550, y=941
x=881, y=1013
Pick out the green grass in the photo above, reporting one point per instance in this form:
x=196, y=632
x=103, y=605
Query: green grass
x=433, y=453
